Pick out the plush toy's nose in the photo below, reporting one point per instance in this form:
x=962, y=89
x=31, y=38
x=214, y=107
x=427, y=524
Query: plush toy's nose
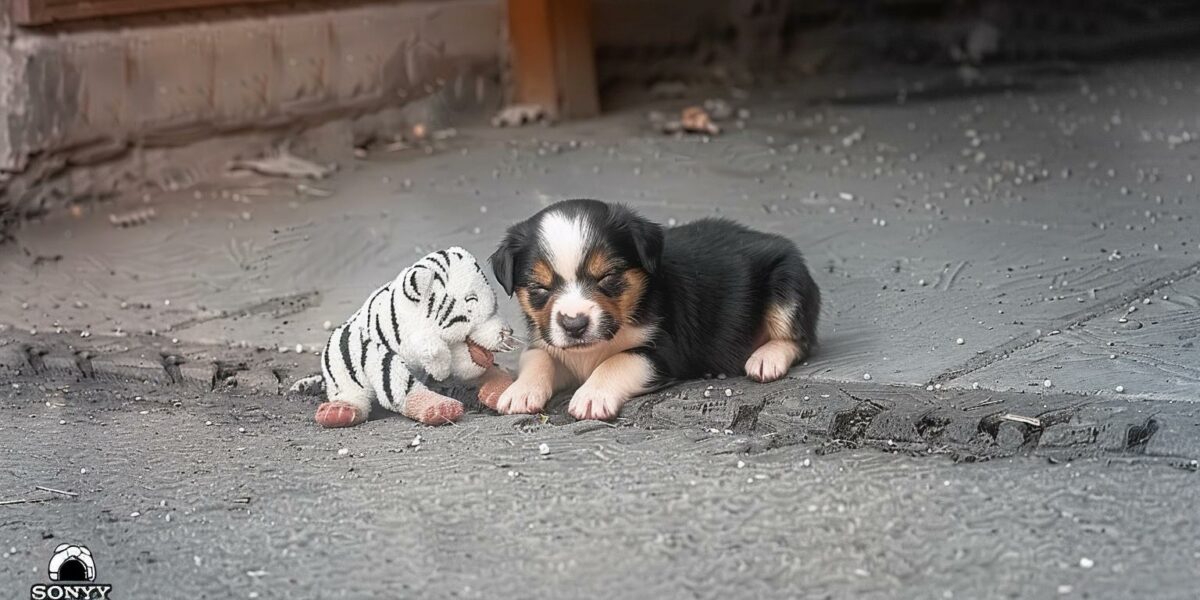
x=575, y=326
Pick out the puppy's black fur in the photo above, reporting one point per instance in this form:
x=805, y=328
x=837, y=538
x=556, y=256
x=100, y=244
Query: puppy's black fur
x=708, y=288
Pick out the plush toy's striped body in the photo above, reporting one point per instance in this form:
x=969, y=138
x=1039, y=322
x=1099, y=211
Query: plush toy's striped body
x=438, y=317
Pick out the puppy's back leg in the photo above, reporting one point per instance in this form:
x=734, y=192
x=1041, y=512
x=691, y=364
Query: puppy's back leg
x=346, y=388
x=789, y=325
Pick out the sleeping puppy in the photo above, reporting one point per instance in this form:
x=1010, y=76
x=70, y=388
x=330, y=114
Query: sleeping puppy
x=619, y=307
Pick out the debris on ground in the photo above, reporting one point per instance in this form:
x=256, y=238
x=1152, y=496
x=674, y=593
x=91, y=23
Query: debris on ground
x=517, y=115
x=283, y=164
x=308, y=386
x=693, y=119
x=544, y=449
x=133, y=218
x=1033, y=421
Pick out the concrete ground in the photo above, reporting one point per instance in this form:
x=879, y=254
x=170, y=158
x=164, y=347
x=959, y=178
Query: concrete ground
x=1010, y=274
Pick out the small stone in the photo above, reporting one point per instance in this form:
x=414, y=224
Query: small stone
x=416, y=441
x=1087, y=563
x=866, y=376
x=1120, y=389
x=741, y=464
x=343, y=451
x=327, y=325
x=960, y=341
x=543, y=449
x=728, y=392
x=135, y=514
x=1047, y=383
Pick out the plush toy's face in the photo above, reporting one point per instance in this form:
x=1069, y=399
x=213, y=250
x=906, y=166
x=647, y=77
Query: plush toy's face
x=461, y=304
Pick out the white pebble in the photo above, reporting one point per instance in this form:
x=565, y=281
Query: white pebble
x=741, y=464
x=343, y=452
x=728, y=392
x=327, y=325
x=299, y=348
x=867, y=376
x=416, y=441
x=544, y=449
x=1047, y=383
x=1120, y=389
x=960, y=341
x=135, y=514
x=1087, y=563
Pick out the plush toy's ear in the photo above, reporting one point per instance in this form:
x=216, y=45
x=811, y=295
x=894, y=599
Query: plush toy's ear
x=417, y=281
x=504, y=259
x=647, y=236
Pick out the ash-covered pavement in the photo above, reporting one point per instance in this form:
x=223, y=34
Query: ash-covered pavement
x=1010, y=274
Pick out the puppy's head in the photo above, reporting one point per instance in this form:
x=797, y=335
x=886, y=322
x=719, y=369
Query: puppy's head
x=580, y=270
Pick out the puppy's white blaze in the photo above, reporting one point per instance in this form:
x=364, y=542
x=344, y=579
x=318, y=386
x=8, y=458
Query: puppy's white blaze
x=573, y=303
x=565, y=239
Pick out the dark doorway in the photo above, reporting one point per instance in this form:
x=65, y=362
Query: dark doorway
x=72, y=570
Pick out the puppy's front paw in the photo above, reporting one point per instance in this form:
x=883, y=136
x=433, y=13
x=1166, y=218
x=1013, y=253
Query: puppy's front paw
x=522, y=397
x=595, y=402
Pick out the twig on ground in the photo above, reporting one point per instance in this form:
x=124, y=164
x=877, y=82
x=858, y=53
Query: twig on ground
x=24, y=501
x=54, y=491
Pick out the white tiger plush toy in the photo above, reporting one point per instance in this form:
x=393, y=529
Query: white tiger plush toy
x=438, y=317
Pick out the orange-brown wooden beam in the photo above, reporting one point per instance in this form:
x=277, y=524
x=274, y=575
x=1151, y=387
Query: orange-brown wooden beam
x=553, y=59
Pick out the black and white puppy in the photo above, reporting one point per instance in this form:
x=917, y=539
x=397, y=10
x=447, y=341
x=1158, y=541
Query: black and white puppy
x=619, y=307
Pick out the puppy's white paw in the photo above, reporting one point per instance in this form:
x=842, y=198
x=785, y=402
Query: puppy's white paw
x=522, y=397
x=771, y=361
x=596, y=402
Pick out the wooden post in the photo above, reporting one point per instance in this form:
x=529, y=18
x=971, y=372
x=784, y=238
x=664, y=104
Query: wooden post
x=553, y=60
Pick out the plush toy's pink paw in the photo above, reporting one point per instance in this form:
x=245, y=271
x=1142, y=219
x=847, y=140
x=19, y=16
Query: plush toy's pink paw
x=432, y=408
x=339, y=414
x=492, y=385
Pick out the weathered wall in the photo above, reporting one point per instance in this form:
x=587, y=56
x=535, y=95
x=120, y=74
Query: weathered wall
x=84, y=92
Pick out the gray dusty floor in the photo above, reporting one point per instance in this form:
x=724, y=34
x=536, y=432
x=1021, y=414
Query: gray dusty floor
x=1048, y=220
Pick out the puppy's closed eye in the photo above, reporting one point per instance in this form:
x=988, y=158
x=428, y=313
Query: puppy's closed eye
x=612, y=285
x=538, y=295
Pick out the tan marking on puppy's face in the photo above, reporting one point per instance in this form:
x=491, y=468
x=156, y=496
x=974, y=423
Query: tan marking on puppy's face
x=617, y=289
x=537, y=305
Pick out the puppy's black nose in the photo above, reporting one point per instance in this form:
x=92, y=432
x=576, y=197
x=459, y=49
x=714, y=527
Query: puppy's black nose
x=575, y=326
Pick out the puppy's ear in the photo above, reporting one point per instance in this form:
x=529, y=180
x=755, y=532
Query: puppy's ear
x=646, y=235
x=504, y=259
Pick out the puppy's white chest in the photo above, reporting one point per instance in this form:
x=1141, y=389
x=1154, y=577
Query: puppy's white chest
x=579, y=364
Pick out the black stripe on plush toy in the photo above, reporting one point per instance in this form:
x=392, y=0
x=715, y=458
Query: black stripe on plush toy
x=328, y=367
x=392, y=312
x=449, y=309
x=386, y=359
x=344, y=344
x=415, y=296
